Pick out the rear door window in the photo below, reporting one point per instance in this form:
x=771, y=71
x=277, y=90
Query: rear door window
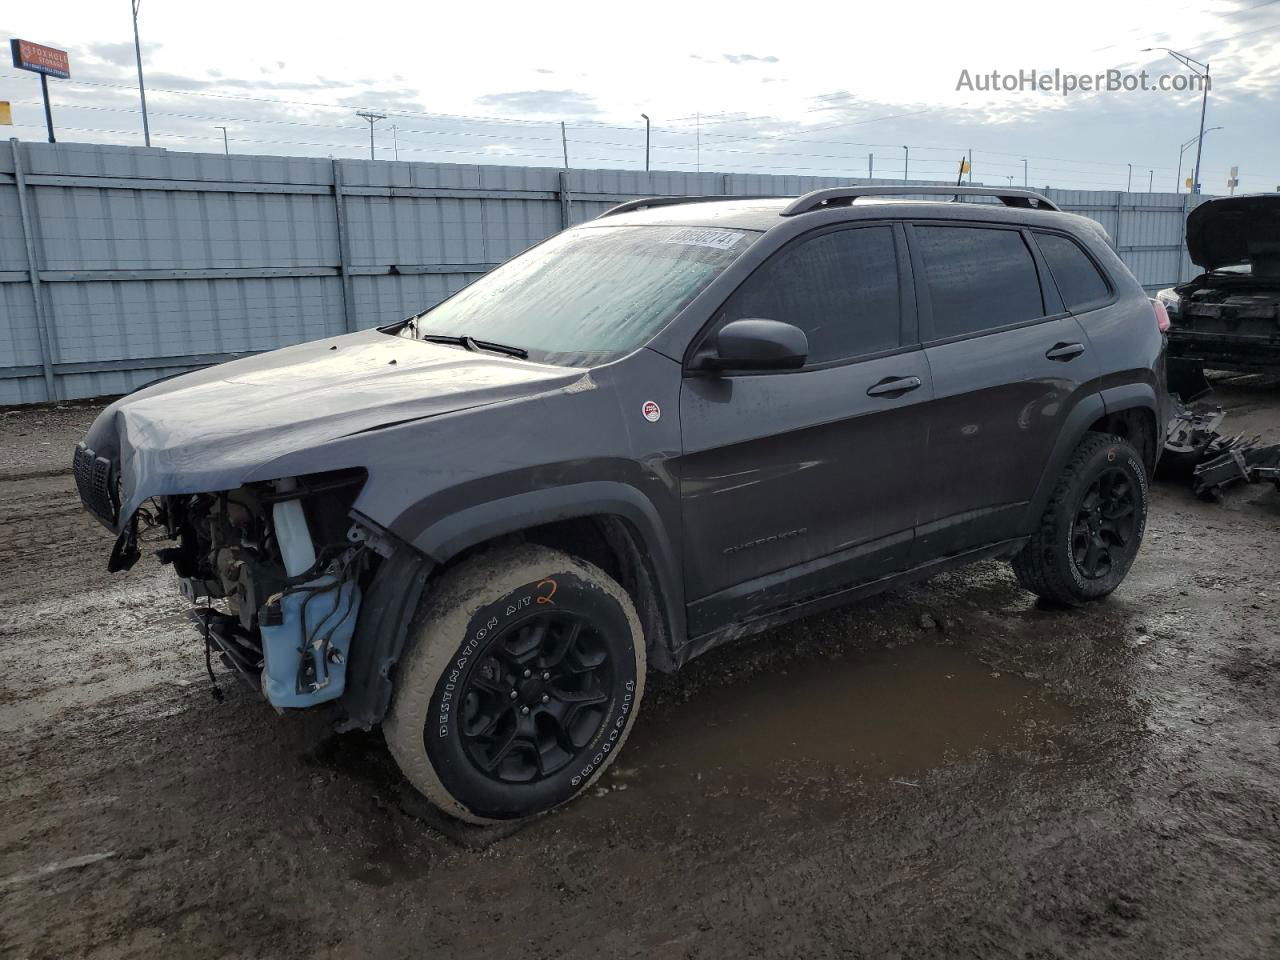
x=978, y=278
x=1081, y=284
x=841, y=288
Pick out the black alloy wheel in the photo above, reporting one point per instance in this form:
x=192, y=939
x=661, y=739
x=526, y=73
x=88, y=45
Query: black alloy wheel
x=1103, y=531
x=536, y=698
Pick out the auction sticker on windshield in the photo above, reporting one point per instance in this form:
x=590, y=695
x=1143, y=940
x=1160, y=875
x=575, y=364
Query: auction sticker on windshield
x=720, y=239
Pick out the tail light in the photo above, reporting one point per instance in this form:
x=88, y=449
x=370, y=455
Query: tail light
x=1162, y=316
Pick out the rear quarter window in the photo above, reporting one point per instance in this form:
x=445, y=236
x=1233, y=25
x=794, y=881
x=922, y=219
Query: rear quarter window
x=1079, y=281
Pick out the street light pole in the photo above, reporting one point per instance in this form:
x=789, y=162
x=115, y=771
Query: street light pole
x=372, y=118
x=1191, y=63
x=1024, y=173
x=1183, y=149
x=646, y=141
x=906, y=162
x=142, y=92
x=1129, y=185
x=225, y=149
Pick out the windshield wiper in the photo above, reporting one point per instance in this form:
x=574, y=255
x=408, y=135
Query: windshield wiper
x=471, y=343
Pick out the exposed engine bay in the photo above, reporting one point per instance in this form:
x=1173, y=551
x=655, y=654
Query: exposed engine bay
x=275, y=571
x=1228, y=317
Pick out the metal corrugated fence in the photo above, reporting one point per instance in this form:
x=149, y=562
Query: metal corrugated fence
x=119, y=265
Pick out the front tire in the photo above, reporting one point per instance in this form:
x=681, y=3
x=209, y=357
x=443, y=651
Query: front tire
x=1092, y=527
x=520, y=686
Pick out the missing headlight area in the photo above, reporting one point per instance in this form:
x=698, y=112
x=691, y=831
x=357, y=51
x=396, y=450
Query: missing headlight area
x=274, y=575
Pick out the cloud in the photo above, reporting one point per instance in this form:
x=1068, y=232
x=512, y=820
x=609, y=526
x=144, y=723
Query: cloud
x=121, y=54
x=571, y=102
x=748, y=58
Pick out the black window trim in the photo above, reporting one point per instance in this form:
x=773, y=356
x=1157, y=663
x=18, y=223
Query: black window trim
x=924, y=303
x=908, y=320
x=1090, y=305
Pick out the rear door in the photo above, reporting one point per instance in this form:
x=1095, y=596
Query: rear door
x=1007, y=362
x=796, y=483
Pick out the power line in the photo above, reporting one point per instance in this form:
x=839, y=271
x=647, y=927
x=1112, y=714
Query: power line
x=594, y=125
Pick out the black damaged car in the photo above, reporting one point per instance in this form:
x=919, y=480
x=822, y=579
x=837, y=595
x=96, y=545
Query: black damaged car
x=681, y=423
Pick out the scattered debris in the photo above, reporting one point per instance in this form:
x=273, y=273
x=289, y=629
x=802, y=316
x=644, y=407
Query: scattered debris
x=1194, y=447
x=1242, y=462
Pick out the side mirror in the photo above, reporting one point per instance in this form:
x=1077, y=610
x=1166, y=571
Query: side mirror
x=755, y=344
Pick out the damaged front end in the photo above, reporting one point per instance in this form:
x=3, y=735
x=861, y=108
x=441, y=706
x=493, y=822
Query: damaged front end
x=1228, y=318
x=1228, y=322
x=276, y=572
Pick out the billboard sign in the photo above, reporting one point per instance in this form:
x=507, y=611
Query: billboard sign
x=38, y=58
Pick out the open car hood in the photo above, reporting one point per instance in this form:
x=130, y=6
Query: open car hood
x=215, y=429
x=1233, y=230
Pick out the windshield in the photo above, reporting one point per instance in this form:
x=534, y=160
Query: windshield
x=589, y=295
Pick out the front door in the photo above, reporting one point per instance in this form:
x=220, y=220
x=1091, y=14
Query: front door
x=797, y=483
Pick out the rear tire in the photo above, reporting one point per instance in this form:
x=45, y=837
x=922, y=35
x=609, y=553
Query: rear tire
x=1092, y=527
x=523, y=680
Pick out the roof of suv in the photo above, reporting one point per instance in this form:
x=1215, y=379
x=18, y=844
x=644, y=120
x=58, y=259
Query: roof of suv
x=763, y=213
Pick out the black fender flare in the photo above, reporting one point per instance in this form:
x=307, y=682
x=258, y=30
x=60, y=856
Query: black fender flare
x=1088, y=411
x=1083, y=415
x=451, y=534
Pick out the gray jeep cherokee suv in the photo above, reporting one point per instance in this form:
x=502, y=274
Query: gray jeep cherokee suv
x=683, y=422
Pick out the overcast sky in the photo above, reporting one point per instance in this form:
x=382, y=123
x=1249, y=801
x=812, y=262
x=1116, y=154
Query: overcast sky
x=798, y=87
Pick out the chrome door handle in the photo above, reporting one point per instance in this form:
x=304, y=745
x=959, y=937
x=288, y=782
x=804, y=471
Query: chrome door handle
x=894, y=387
x=1064, y=351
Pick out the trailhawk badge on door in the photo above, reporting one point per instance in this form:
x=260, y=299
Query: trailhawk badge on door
x=651, y=411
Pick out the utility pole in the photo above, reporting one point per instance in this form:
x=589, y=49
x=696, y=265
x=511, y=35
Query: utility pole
x=646, y=141
x=225, y=149
x=970, y=166
x=1151, y=180
x=395, y=143
x=1191, y=63
x=142, y=92
x=871, y=166
x=906, y=162
x=372, y=118
x=1024, y=173
x=564, y=143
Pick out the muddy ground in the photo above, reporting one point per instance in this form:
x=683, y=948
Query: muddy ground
x=1013, y=782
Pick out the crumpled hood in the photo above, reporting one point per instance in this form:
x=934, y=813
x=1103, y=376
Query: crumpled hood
x=208, y=430
x=1233, y=230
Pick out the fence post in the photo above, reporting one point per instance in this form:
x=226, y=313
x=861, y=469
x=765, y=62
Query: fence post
x=33, y=272
x=344, y=255
x=566, y=201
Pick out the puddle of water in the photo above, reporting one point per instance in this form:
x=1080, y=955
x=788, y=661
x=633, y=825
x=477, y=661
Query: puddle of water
x=883, y=714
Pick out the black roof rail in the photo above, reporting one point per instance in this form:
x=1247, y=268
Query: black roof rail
x=842, y=196
x=646, y=202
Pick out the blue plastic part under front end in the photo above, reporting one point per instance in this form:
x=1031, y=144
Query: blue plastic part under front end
x=306, y=634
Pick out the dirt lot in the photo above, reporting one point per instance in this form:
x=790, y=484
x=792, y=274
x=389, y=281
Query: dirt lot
x=1012, y=782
